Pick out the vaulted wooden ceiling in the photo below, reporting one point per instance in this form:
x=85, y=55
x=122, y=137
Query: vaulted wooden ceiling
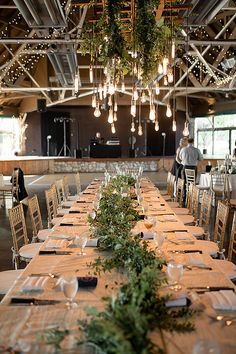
x=40, y=51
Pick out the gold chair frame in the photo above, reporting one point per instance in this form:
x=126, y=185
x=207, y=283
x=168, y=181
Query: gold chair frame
x=35, y=216
x=220, y=224
x=232, y=241
x=179, y=192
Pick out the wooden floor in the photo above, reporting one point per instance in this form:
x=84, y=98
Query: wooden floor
x=37, y=184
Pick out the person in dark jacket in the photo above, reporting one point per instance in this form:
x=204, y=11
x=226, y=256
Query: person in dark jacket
x=18, y=184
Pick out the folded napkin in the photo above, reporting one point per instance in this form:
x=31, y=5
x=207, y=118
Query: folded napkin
x=178, y=299
x=223, y=299
x=147, y=235
x=92, y=242
x=52, y=243
x=85, y=282
x=60, y=237
x=34, y=284
x=195, y=259
x=182, y=236
x=169, y=217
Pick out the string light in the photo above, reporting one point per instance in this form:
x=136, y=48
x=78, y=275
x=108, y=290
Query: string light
x=174, y=125
x=91, y=73
x=168, y=111
x=110, y=116
x=113, y=128
x=94, y=101
x=97, y=112
x=133, y=108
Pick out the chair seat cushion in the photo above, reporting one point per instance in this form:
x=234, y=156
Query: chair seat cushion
x=43, y=234
x=180, y=211
x=186, y=219
x=7, y=279
x=196, y=231
x=173, y=204
x=227, y=267
x=30, y=250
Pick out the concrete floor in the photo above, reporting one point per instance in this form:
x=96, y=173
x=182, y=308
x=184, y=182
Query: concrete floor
x=37, y=185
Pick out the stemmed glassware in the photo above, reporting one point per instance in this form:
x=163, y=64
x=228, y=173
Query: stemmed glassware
x=175, y=272
x=149, y=222
x=69, y=286
x=159, y=238
x=81, y=241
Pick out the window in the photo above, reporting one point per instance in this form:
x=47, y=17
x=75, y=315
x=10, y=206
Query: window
x=9, y=136
x=216, y=135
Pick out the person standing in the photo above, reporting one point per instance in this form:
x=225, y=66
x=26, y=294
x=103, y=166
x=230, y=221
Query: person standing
x=177, y=166
x=189, y=156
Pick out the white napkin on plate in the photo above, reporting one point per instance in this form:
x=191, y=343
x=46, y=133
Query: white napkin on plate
x=169, y=217
x=148, y=235
x=52, y=243
x=223, y=299
x=178, y=299
x=182, y=236
x=34, y=284
x=60, y=237
x=92, y=242
x=195, y=259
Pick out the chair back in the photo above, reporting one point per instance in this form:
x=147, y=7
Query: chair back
x=15, y=184
x=219, y=185
x=205, y=211
x=195, y=202
x=168, y=182
x=190, y=199
x=232, y=241
x=66, y=186
x=78, y=183
x=18, y=230
x=35, y=215
x=50, y=203
x=190, y=176
x=179, y=191
x=220, y=224
x=60, y=191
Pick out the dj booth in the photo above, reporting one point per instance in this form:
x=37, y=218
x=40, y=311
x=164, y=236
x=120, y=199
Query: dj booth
x=105, y=151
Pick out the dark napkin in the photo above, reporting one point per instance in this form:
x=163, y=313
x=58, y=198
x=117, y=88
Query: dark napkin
x=87, y=282
x=32, y=301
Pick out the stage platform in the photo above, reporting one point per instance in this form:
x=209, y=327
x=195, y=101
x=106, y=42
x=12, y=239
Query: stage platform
x=39, y=165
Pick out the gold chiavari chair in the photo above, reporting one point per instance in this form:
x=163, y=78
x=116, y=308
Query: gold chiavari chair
x=171, y=190
x=61, y=195
x=51, y=208
x=22, y=249
x=183, y=212
x=78, y=183
x=227, y=266
x=201, y=229
x=67, y=191
x=220, y=225
x=59, y=210
x=167, y=191
x=39, y=233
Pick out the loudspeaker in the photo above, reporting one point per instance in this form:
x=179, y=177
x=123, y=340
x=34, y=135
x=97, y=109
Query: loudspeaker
x=41, y=106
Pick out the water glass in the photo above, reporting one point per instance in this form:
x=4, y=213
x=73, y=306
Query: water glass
x=149, y=222
x=206, y=346
x=175, y=272
x=81, y=241
x=69, y=286
x=159, y=238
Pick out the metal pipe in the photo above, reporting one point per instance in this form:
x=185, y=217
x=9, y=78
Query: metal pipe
x=51, y=12
x=38, y=41
x=33, y=12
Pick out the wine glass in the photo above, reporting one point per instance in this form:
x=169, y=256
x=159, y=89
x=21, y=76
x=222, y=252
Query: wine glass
x=144, y=208
x=69, y=286
x=149, y=222
x=81, y=241
x=175, y=272
x=206, y=346
x=159, y=238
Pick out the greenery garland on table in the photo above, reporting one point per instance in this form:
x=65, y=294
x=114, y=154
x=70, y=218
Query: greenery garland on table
x=138, y=309
x=109, y=42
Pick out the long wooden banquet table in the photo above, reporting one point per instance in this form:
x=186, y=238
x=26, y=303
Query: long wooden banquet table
x=21, y=325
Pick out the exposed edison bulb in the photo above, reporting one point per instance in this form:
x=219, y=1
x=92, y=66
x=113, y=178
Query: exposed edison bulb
x=165, y=64
x=110, y=116
x=123, y=87
x=109, y=101
x=152, y=113
x=160, y=69
x=157, y=89
x=173, y=50
x=135, y=69
x=140, y=130
x=115, y=117
x=156, y=125
x=168, y=111
x=174, y=125
x=91, y=74
x=133, y=108
x=100, y=91
x=143, y=97
x=165, y=81
x=115, y=107
x=113, y=128
x=94, y=101
x=170, y=76
x=132, y=129
x=105, y=89
x=111, y=88
x=186, y=130
x=105, y=70
x=135, y=94
x=97, y=111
